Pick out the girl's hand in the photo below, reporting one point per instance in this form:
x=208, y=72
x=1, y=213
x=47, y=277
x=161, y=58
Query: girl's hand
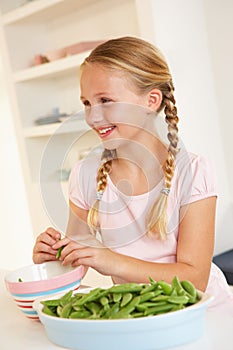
x=102, y=259
x=43, y=250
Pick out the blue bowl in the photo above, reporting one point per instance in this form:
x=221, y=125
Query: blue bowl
x=144, y=333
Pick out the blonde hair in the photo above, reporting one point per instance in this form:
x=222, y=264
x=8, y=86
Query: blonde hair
x=145, y=67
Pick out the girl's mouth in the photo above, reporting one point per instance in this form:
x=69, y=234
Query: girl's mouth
x=105, y=131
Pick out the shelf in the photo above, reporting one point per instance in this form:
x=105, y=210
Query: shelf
x=43, y=10
x=27, y=10
x=73, y=126
x=51, y=69
x=35, y=90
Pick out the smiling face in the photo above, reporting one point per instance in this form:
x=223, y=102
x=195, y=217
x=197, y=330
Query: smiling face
x=113, y=107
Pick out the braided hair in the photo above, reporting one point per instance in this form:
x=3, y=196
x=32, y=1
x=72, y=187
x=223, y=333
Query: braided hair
x=144, y=65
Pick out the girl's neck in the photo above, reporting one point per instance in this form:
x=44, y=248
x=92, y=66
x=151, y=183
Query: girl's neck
x=139, y=166
x=152, y=153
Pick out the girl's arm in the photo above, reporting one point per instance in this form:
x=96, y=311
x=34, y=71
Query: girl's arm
x=77, y=228
x=194, y=252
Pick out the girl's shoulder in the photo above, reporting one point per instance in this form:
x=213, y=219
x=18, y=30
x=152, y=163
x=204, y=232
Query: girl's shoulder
x=195, y=177
x=186, y=160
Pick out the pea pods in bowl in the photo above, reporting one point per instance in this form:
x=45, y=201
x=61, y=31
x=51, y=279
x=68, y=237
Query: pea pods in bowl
x=130, y=316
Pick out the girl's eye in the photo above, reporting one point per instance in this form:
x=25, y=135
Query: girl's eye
x=105, y=100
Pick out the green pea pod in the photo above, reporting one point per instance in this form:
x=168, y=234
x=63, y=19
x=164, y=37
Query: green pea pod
x=117, y=297
x=147, y=296
x=166, y=287
x=91, y=296
x=59, y=310
x=102, y=293
x=177, y=285
x=126, y=288
x=177, y=307
x=113, y=311
x=94, y=308
x=66, y=310
x=127, y=297
x=152, y=281
x=126, y=310
x=179, y=299
x=144, y=306
x=78, y=307
x=189, y=287
x=52, y=302
x=46, y=309
x=59, y=252
x=78, y=296
x=158, y=309
x=80, y=314
x=103, y=301
x=66, y=298
x=157, y=292
x=148, y=288
x=104, y=311
x=160, y=298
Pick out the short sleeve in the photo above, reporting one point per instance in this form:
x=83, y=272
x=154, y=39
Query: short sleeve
x=76, y=192
x=199, y=181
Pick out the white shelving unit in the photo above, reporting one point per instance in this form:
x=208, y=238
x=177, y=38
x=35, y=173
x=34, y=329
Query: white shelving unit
x=29, y=28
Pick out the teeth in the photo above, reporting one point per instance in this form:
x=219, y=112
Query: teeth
x=103, y=131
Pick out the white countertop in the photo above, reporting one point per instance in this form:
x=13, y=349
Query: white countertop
x=19, y=333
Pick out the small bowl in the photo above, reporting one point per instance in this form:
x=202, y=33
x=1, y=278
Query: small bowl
x=33, y=281
x=142, y=333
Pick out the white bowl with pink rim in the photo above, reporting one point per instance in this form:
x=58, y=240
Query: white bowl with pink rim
x=30, y=282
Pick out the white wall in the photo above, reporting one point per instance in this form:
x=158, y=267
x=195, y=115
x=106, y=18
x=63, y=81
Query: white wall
x=184, y=32
x=220, y=29
x=16, y=233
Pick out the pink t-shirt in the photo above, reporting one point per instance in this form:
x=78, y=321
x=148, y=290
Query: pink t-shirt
x=122, y=217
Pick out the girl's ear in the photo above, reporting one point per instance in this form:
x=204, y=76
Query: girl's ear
x=155, y=99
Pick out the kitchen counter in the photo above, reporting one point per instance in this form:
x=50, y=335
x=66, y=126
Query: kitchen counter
x=18, y=332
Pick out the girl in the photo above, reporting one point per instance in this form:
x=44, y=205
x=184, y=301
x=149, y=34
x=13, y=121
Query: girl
x=152, y=203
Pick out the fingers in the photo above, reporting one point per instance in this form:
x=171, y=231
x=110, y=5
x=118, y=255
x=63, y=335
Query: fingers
x=43, y=250
x=40, y=258
x=50, y=236
x=74, y=251
x=61, y=243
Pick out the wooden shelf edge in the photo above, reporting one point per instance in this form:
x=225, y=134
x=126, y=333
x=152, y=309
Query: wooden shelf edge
x=27, y=10
x=51, y=68
x=74, y=126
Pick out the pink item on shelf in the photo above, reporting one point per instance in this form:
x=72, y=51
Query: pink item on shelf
x=72, y=49
x=39, y=59
x=56, y=54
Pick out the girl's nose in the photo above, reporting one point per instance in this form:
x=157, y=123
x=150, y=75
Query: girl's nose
x=94, y=115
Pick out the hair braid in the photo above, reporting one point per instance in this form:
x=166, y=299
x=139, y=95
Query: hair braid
x=172, y=120
x=157, y=216
x=103, y=171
